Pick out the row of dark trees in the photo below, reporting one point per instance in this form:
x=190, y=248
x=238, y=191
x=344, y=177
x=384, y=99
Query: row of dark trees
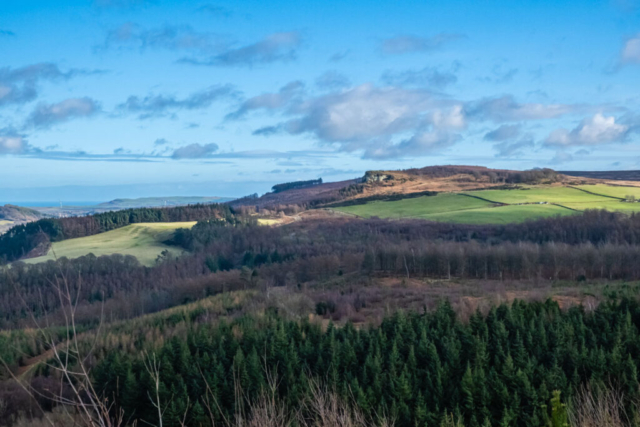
x=498, y=369
x=295, y=184
x=512, y=261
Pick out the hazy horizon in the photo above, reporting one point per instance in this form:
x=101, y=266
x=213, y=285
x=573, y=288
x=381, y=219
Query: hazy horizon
x=84, y=194
x=105, y=93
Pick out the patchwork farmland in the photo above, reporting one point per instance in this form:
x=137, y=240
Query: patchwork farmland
x=503, y=206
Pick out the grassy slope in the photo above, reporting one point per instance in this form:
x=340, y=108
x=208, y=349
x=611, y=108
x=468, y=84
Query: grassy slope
x=610, y=205
x=502, y=214
x=559, y=195
x=452, y=207
x=265, y=221
x=611, y=190
x=419, y=207
x=5, y=222
x=144, y=241
x=18, y=213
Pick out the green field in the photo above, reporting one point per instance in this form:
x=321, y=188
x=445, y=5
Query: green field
x=611, y=190
x=610, y=205
x=519, y=204
x=144, y=241
x=560, y=195
x=5, y=222
x=501, y=214
x=419, y=207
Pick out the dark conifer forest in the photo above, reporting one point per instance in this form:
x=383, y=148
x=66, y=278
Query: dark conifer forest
x=499, y=368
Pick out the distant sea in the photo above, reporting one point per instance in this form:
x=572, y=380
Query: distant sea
x=49, y=204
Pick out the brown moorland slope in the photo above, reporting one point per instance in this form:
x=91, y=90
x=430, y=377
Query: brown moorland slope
x=623, y=177
x=296, y=196
x=11, y=215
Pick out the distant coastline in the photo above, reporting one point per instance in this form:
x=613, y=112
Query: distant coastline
x=44, y=204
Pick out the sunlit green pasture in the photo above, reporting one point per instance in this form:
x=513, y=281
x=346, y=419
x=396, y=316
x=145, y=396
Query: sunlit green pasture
x=560, y=195
x=612, y=190
x=144, y=241
x=502, y=214
x=500, y=206
x=419, y=207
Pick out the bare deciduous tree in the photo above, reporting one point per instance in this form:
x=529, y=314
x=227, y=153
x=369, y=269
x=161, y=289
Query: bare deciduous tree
x=601, y=408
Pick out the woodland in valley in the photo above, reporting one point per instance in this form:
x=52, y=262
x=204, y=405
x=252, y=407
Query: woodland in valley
x=299, y=310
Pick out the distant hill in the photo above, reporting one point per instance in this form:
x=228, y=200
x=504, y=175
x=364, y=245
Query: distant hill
x=606, y=175
x=312, y=195
x=119, y=204
x=11, y=215
x=154, y=202
x=18, y=213
x=383, y=184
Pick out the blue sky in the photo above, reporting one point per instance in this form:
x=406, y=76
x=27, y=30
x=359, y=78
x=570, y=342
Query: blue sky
x=148, y=97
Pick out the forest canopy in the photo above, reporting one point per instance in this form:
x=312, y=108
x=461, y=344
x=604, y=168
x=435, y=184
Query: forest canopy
x=295, y=184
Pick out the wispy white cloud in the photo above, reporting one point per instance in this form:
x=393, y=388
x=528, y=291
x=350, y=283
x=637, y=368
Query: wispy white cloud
x=425, y=77
x=332, y=80
x=215, y=10
x=422, y=143
x=270, y=101
x=160, y=105
x=195, y=151
x=410, y=43
x=169, y=37
x=510, y=148
x=21, y=85
x=11, y=142
x=631, y=51
x=503, y=133
x=47, y=115
x=506, y=108
x=596, y=130
x=122, y=3
x=276, y=47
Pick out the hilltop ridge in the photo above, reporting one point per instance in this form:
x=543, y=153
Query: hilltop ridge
x=398, y=183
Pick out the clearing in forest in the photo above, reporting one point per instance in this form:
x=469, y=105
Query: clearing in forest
x=145, y=241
